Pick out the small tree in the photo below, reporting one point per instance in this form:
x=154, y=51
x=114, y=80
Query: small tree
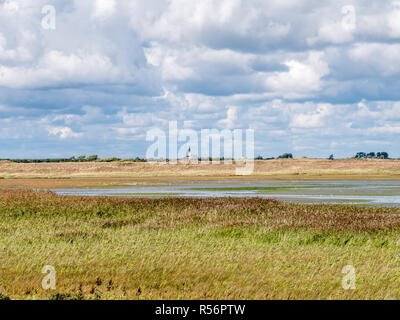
x=331, y=157
x=286, y=156
x=92, y=157
x=382, y=155
x=361, y=155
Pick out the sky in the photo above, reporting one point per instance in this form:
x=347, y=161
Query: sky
x=312, y=78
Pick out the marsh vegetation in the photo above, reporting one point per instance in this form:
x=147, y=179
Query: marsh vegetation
x=187, y=248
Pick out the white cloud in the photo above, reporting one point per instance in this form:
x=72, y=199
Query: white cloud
x=314, y=119
x=113, y=69
x=381, y=57
x=231, y=117
x=180, y=21
x=57, y=68
x=332, y=33
x=104, y=8
x=63, y=132
x=302, y=78
x=11, y=6
x=393, y=20
x=386, y=129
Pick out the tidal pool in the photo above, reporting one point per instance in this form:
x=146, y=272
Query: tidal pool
x=361, y=192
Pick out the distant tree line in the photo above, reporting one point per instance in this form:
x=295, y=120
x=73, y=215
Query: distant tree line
x=372, y=155
x=359, y=155
x=92, y=158
x=95, y=158
x=282, y=156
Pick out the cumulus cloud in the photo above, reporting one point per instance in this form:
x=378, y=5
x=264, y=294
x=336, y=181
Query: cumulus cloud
x=63, y=132
x=302, y=78
x=56, y=68
x=231, y=118
x=314, y=119
x=393, y=20
x=333, y=33
x=103, y=8
x=301, y=73
x=382, y=58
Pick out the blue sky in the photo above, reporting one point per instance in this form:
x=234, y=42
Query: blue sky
x=310, y=77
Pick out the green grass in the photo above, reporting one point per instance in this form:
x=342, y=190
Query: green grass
x=182, y=248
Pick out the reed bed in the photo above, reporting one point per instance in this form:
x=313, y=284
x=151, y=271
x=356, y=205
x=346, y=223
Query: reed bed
x=184, y=248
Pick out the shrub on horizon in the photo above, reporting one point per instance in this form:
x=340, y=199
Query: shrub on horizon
x=286, y=156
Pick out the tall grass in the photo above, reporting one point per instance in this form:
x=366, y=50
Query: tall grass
x=179, y=248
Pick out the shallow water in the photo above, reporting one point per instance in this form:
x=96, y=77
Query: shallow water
x=361, y=192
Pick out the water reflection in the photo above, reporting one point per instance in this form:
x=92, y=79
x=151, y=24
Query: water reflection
x=367, y=192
